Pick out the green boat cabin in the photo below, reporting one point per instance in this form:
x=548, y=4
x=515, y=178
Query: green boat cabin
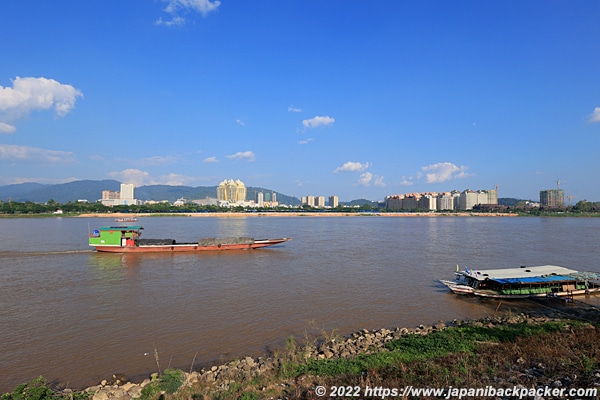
x=115, y=236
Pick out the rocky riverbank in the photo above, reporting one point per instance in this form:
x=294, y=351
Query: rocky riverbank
x=220, y=378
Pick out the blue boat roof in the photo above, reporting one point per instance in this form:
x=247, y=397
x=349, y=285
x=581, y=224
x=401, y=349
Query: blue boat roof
x=536, y=279
x=523, y=272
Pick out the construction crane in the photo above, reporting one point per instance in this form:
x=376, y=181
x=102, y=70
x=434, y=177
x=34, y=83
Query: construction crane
x=570, y=197
x=558, y=182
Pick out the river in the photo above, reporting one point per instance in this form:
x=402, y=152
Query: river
x=76, y=316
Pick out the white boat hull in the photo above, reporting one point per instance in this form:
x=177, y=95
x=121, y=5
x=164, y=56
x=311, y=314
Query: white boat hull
x=460, y=288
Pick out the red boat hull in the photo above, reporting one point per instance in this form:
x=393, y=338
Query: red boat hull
x=188, y=247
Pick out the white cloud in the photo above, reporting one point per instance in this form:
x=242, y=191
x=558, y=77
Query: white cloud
x=444, y=171
x=132, y=175
x=240, y=122
x=368, y=178
x=595, y=117
x=318, y=121
x=243, y=155
x=379, y=182
x=306, y=141
x=352, y=167
x=365, y=179
x=157, y=160
x=406, y=182
x=141, y=178
x=6, y=128
x=294, y=109
x=210, y=160
x=175, y=21
x=177, y=8
x=32, y=94
x=25, y=153
x=174, y=179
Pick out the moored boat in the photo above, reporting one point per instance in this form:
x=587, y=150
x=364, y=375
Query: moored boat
x=127, y=239
x=126, y=219
x=522, y=282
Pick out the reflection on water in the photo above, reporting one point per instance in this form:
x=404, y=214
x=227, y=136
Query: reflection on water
x=79, y=316
x=112, y=261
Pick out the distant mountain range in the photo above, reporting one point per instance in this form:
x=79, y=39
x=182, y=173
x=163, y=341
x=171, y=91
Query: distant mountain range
x=92, y=190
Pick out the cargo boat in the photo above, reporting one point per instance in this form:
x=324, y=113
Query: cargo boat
x=523, y=282
x=127, y=239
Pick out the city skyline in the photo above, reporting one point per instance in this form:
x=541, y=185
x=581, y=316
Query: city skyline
x=230, y=189
x=303, y=96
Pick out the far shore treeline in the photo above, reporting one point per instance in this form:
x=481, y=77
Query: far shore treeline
x=64, y=199
x=51, y=207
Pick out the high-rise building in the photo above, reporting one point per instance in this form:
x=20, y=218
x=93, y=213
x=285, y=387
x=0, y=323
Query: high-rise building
x=552, y=198
x=261, y=200
x=445, y=201
x=314, y=201
x=432, y=201
x=427, y=202
x=124, y=197
x=231, y=191
x=320, y=201
x=469, y=198
x=127, y=193
x=333, y=201
x=394, y=202
x=110, y=195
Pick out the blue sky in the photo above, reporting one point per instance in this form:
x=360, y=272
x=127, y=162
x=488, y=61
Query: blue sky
x=306, y=97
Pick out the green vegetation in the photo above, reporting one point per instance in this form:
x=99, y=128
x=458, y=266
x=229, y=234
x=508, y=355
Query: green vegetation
x=413, y=348
x=32, y=199
x=34, y=390
x=28, y=208
x=168, y=382
x=37, y=389
x=471, y=355
x=20, y=209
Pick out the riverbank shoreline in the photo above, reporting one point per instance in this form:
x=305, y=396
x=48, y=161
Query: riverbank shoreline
x=294, y=214
x=215, y=381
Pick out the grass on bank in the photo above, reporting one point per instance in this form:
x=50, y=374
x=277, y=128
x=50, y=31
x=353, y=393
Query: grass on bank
x=413, y=347
x=457, y=356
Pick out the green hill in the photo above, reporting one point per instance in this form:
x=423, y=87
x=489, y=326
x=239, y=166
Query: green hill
x=92, y=191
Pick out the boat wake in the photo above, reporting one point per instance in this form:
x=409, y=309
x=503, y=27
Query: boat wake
x=14, y=254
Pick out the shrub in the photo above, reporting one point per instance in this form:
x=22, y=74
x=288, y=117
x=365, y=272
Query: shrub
x=36, y=389
x=169, y=382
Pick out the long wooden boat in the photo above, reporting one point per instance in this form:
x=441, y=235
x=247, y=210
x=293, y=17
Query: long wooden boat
x=126, y=219
x=127, y=239
x=522, y=282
